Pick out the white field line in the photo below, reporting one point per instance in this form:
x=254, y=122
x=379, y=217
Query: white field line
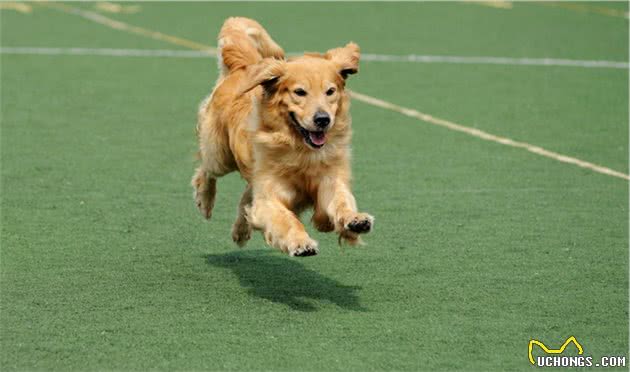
x=485, y=135
x=413, y=58
x=496, y=61
x=109, y=52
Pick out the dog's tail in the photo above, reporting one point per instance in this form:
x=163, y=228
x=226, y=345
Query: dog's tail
x=244, y=42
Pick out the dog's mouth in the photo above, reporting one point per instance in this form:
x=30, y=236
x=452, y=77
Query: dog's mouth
x=315, y=139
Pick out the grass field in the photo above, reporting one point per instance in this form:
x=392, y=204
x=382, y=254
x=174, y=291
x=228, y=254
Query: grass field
x=478, y=248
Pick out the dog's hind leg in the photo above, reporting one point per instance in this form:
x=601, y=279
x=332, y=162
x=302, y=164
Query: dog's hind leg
x=204, y=180
x=241, y=229
x=216, y=159
x=322, y=221
x=205, y=189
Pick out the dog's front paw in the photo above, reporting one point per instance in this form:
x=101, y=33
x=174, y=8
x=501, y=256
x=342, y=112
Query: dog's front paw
x=302, y=247
x=359, y=223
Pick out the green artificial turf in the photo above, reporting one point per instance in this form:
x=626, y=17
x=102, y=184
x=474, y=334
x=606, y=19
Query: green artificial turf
x=106, y=265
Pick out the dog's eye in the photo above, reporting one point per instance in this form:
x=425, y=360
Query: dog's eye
x=330, y=92
x=300, y=92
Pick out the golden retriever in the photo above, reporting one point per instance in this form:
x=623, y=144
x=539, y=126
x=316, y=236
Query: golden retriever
x=285, y=126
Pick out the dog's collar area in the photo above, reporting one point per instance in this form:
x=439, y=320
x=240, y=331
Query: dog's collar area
x=307, y=134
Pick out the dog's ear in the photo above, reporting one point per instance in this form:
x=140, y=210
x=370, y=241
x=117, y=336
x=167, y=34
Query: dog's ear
x=346, y=59
x=267, y=72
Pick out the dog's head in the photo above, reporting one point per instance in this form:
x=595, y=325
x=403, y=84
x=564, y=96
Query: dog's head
x=306, y=93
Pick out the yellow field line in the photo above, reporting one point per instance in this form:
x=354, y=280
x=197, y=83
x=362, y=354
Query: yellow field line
x=18, y=7
x=118, y=25
x=122, y=26
x=497, y=4
x=582, y=8
x=587, y=8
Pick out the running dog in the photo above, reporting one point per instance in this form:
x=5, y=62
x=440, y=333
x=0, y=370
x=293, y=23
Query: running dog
x=285, y=126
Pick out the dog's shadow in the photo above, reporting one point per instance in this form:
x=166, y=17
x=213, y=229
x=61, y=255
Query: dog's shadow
x=284, y=280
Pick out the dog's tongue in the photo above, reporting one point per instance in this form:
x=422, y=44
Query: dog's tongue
x=318, y=138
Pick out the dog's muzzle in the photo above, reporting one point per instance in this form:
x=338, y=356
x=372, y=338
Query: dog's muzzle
x=315, y=139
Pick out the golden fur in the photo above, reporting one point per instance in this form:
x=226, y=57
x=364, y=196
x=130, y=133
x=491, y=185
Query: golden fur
x=251, y=123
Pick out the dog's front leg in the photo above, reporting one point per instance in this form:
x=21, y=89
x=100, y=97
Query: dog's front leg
x=281, y=227
x=335, y=199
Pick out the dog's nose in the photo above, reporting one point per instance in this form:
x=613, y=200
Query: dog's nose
x=321, y=119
